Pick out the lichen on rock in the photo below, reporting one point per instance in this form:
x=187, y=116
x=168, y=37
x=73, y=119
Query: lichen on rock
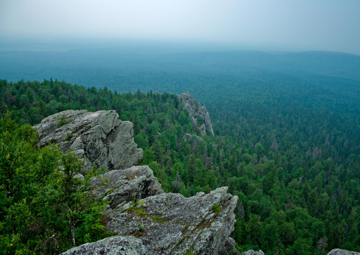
x=174, y=224
x=120, y=245
x=119, y=186
x=99, y=137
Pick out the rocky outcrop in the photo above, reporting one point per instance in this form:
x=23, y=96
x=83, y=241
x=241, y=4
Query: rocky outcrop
x=172, y=224
x=196, y=112
x=120, y=245
x=99, y=137
x=119, y=186
x=166, y=223
x=342, y=252
x=146, y=220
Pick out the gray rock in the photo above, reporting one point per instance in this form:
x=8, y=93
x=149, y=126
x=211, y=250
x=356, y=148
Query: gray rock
x=196, y=110
x=342, y=252
x=187, y=137
x=119, y=186
x=120, y=245
x=99, y=137
x=172, y=224
x=230, y=246
x=251, y=252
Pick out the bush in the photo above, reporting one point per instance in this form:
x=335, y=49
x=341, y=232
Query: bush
x=43, y=208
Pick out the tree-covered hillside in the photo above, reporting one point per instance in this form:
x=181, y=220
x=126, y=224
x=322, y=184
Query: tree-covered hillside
x=288, y=149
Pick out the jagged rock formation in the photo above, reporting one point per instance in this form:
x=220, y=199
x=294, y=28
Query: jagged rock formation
x=120, y=245
x=172, y=224
x=147, y=220
x=166, y=223
x=125, y=185
x=342, y=252
x=196, y=111
x=99, y=137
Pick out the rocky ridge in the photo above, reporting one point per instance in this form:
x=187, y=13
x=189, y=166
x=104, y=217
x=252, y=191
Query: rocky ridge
x=150, y=220
x=146, y=220
x=196, y=112
x=100, y=138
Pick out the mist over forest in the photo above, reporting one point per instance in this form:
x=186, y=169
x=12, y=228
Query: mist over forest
x=286, y=129
x=180, y=127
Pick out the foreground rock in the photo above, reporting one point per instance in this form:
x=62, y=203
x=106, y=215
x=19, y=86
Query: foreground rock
x=342, y=252
x=120, y=245
x=99, y=137
x=172, y=224
x=119, y=186
x=196, y=111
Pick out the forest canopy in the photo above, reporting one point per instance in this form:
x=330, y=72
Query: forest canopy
x=290, y=155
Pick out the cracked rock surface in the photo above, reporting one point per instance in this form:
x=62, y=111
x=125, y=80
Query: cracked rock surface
x=120, y=245
x=119, y=186
x=99, y=137
x=196, y=111
x=172, y=224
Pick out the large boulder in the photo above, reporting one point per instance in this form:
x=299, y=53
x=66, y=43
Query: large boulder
x=120, y=245
x=172, y=224
x=342, y=252
x=196, y=111
x=99, y=137
x=119, y=186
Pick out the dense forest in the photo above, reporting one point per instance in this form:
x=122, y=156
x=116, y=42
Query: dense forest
x=288, y=149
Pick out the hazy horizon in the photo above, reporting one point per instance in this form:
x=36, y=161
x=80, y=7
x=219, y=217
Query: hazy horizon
x=261, y=25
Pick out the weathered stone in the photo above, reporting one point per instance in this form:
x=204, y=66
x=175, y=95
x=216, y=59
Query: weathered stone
x=99, y=137
x=251, y=252
x=119, y=186
x=120, y=245
x=172, y=224
x=196, y=111
x=342, y=252
x=230, y=246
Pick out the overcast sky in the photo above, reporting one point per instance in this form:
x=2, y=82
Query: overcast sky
x=331, y=25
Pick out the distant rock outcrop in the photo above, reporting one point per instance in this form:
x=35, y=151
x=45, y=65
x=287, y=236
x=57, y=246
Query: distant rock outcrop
x=342, y=252
x=99, y=137
x=196, y=112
